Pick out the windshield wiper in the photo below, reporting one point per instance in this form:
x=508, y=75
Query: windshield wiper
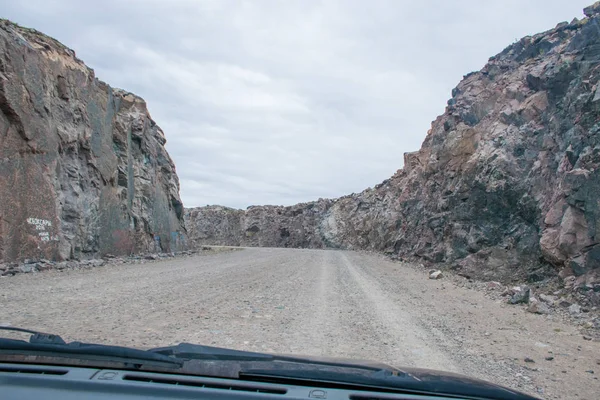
x=38, y=337
x=53, y=345
x=200, y=352
x=386, y=381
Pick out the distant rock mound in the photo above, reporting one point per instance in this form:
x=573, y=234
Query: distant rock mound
x=83, y=168
x=263, y=226
x=506, y=184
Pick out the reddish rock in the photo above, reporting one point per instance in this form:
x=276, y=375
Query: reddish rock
x=83, y=168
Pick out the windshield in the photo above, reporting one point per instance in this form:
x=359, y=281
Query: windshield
x=388, y=184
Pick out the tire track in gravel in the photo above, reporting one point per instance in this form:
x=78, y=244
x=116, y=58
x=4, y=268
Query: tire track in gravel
x=391, y=324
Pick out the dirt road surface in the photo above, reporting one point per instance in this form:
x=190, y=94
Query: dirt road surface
x=314, y=302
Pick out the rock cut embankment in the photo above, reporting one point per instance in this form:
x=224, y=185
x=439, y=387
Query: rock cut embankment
x=83, y=167
x=506, y=184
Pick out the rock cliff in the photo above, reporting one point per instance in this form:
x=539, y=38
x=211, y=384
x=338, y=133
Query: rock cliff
x=264, y=226
x=83, y=168
x=505, y=185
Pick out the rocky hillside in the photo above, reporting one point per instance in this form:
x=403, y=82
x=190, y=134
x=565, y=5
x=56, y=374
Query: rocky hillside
x=263, y=226
x=83, y=168
x=506, y=184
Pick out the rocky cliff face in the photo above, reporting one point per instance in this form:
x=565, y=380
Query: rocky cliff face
x=506, y=184
x=265, y=226
x=83, y=168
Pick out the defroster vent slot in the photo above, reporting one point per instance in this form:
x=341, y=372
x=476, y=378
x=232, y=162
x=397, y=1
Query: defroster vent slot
x=40, y=371
x=391, y=396
x=203, y=384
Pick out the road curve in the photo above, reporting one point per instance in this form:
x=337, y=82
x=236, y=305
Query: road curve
x=313, y=302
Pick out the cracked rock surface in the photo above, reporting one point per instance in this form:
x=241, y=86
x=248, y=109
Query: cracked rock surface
x=83, y=167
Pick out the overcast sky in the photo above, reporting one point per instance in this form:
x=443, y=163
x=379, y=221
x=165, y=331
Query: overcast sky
x=279, y=102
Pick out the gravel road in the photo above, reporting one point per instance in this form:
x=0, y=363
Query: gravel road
x=316, y=302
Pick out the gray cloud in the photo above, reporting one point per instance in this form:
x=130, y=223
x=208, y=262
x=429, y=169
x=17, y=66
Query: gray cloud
x=278, y=102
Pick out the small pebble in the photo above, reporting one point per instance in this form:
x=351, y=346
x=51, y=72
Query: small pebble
x=550, y=358
x=529, y=360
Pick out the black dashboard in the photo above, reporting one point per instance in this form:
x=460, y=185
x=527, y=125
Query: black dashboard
x=26, y=381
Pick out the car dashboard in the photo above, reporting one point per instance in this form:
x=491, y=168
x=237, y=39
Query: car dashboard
x=26, y=381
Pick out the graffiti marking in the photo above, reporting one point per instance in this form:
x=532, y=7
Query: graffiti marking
x=40, y=226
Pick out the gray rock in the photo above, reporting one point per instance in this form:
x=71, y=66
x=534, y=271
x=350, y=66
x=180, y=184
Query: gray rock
x=61, y=265
x=551, y=300
x=574, y=309
x=520, y=296
x=43, y=266
x=97, y=262
x=27, y=268
x=592, y=10
x=596, y=95
x=436, y=275
x=493, y=285
x=564, y=303
x=537, y=307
